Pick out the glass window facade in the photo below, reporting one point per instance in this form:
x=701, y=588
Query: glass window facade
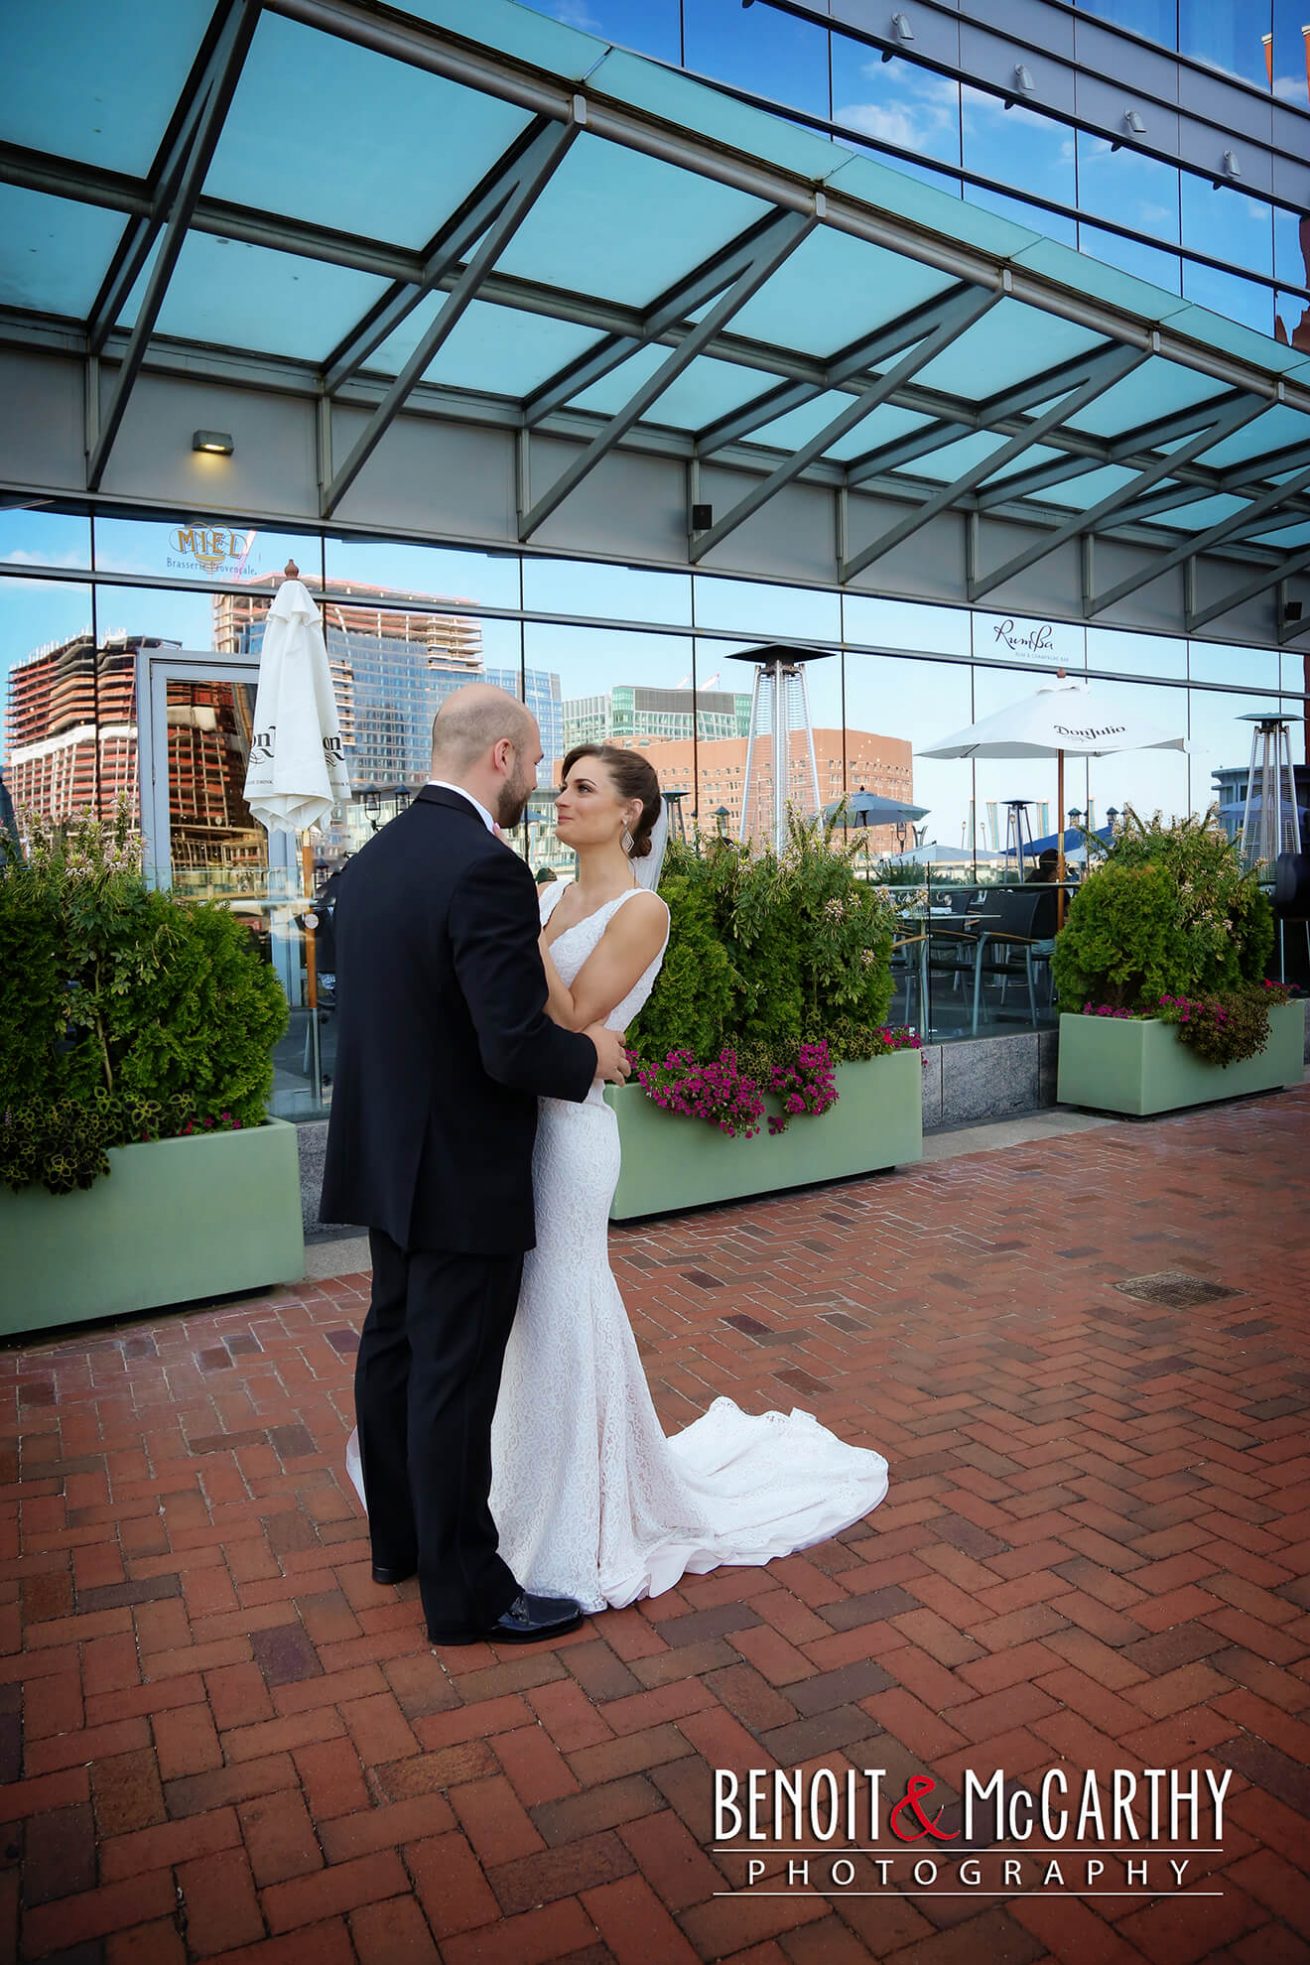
x=601, y=654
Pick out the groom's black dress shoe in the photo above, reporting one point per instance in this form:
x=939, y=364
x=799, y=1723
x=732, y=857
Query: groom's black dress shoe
x=528, y=1620
x=382, y=1574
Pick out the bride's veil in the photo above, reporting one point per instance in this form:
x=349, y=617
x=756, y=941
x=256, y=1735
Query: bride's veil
x=647, y=870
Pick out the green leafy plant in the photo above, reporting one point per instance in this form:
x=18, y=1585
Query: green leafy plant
x=125, y=1014
x=1170, y=912
x=769, y=954
x=1224, y=1030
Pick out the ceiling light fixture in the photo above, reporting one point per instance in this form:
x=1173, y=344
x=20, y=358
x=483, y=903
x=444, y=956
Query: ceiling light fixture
x=215, y=443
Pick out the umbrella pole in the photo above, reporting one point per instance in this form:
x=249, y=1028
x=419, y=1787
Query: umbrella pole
x=1059, y=831
x=311, y=967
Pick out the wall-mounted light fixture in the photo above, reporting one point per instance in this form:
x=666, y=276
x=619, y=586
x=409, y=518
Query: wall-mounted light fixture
x=1134, y=123
x=702, y=517
x=903, y=32
x=215, y=443
x=1023, y=84
x=1231, y=168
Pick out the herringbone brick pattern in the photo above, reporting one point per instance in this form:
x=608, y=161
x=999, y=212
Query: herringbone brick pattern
x=223, y=1742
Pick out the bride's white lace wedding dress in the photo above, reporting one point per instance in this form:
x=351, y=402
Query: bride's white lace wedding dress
x=590, y=1498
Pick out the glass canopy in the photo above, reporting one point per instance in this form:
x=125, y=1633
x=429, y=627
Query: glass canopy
x=464, y=199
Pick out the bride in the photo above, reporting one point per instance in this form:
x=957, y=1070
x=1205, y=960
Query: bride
x=591, y=1499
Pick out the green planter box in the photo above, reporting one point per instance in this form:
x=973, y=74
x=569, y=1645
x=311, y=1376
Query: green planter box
x=1117, y=1064
x=672, y=1162
x=175, y=1221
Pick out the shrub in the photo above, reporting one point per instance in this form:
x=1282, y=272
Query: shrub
x=778, y=968
x=1224, y=1030
x=124, y=1014
x=1169, y=913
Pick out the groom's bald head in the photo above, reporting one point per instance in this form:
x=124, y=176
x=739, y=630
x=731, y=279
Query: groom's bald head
x=471, y=722
x=484, y=740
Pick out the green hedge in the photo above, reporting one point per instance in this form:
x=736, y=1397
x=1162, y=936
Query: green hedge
x=124, y=1014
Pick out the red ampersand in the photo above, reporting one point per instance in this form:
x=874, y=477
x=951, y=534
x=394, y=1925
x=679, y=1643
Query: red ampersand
x=915, y=1787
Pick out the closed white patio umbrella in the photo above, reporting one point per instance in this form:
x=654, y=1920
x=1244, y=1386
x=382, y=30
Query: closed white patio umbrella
x=1064, y=718
x=296, y=772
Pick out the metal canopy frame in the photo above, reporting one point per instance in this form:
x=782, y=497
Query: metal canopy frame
x=692, y=318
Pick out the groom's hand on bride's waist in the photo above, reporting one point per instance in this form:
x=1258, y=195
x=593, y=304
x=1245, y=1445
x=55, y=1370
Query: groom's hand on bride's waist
x=611, y=1053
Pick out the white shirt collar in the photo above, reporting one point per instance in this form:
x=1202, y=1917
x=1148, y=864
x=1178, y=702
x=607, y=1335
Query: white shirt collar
x=444, y=784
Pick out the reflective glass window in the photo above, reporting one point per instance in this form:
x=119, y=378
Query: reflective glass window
x=32, y=536
x=1148, y=781
x=49, y=694
x=1231, y=295
x=1157, y=20
x=1017, y=147
x=722, y=764
x=758, y=608
x=1028, y=639
x=601, y=686
x=1291, y=53
x=648, y=27
x=1228, y=34
x=203, y=549
x=1161, y=269
x=1227, y=224
x=895, y=102
x=1123, y=185
x=615, y=593
x=433, y=571
x=895, y=704
x=1119, y=653
x=876, y=622
x=1220, y=743
x=770, y=53
x=1292, y=263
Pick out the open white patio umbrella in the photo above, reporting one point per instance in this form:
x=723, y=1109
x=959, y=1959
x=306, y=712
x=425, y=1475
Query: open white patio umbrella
x=1064, y=719
x=296, y=772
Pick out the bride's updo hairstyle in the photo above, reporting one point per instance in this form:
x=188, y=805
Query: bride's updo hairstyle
x=633, y=776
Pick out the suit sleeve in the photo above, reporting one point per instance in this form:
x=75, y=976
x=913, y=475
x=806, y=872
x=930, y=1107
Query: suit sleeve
x=494, y=929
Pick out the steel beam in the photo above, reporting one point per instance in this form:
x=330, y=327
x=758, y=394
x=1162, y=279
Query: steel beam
x=667, y=315
x=1239, y=410
x=847, y=370
x=1131, y=447
x=143, y=228
x=998, y=413
x=529, y=160
x=966, y=306
x=1261, y=582
x=1111, y=366
x=535, y=169
x=771, y=248
x=1235, y=527
x=222, y=76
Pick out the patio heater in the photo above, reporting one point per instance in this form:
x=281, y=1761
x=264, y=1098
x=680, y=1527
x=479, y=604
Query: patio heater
x=676, y=816
x=1271, y=823
x=780, y=711
x=1018, y=832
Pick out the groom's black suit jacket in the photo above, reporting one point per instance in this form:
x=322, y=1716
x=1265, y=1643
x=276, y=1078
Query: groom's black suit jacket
x=443, y=1043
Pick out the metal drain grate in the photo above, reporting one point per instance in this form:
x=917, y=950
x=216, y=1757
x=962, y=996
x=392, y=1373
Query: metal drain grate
x=1174, y=1289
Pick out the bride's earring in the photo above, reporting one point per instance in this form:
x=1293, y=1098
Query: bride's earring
x=627, y=842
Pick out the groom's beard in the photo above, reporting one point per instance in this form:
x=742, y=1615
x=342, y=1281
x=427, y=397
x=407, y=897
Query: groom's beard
x=513, y=801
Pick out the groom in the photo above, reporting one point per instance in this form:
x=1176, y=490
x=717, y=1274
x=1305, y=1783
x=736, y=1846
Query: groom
x=443, y=1050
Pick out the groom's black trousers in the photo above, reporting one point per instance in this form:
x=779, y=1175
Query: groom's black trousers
x=426, y=1381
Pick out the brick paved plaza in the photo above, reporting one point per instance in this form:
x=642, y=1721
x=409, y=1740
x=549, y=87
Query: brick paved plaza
x=225, y=1742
